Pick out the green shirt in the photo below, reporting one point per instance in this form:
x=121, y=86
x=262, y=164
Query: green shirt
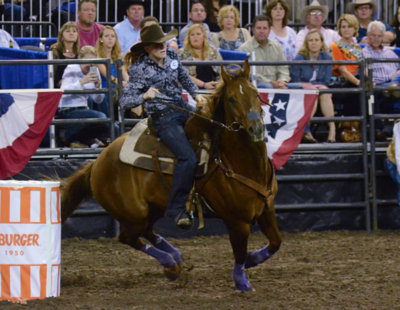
x=271, y=52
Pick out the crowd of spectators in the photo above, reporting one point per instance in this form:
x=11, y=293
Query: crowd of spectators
x=215, y=25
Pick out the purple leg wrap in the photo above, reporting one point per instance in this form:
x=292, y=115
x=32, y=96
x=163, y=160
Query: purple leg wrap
x=163, y=245
x=258, y=257
x=241, y=283
x=165, y=259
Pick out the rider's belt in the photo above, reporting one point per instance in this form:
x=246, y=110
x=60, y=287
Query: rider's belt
x=161, y=113
x=72, y=109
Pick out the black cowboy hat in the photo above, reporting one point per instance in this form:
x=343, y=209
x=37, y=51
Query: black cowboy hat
x=152, y=34
x=144, y=3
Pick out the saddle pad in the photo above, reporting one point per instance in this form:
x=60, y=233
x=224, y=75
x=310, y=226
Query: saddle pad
x=130, y=155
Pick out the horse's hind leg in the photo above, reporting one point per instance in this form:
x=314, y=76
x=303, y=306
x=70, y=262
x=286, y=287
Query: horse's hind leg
x=239, y=235
x=268, y=225
x=161, y=244
x=165, y=259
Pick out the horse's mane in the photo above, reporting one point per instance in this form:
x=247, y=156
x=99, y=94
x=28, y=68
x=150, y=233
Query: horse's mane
x=214, y=108
x=216, y=98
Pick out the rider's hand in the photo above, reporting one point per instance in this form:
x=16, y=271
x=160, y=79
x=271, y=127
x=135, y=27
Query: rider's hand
x=201, y=101
x=210, y=85
x=151, y=93
x=89, y=78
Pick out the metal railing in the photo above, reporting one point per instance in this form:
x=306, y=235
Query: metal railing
x=372, y=118
x=367, y=175
x=172, y=12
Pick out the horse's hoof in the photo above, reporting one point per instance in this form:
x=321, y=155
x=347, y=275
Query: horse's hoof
x=244, y=287
x=173, y=273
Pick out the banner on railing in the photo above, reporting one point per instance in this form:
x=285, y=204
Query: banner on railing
x=25, y=116
x=286, y=121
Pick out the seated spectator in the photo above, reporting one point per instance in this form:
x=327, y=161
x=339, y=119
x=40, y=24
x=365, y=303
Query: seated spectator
x=384, y=74
x=108, y=47
x=315, y=77
x=314, y=16
x=150, y=20
x=78, y=77
x=363, y=10
x=197, y=15
x=88, y=30
x=197, y=47
x=128, y=30
x=66, y=47
x=268, y=50
x=6, y=40
x=346, y=76
x=230, y=37
x=278, y=11
x=346, y=49
x=396, y=27
x=212, y=9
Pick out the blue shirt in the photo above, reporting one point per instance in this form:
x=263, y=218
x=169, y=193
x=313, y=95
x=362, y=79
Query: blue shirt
x=127, y=35
x=362, y=32
x=303, y=73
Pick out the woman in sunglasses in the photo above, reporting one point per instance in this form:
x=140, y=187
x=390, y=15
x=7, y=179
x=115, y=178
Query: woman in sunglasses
x=156, y=78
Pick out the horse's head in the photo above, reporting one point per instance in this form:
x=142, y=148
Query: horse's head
x=242, y=106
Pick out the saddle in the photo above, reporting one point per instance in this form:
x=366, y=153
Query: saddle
x=143, y=149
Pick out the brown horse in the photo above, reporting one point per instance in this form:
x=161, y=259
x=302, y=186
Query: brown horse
x=240, y=184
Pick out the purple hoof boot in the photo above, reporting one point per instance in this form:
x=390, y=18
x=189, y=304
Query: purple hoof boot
x=250, y=263
x=244, y=287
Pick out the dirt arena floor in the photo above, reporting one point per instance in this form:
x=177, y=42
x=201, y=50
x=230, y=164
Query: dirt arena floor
x=331, y=270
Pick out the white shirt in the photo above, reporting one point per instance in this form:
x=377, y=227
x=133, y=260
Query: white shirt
x=5, y=39
x=288, y=43
x=70, y=81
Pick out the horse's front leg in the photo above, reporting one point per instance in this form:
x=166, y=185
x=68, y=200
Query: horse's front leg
x=239, y=233
x=268, y=225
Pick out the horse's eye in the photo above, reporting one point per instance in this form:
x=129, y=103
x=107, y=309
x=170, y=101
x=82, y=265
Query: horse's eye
x=231, y=100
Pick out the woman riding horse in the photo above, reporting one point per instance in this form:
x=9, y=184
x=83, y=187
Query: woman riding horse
x=155, y=78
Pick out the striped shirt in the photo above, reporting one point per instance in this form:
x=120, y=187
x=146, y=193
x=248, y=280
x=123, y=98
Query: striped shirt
x=381, y=72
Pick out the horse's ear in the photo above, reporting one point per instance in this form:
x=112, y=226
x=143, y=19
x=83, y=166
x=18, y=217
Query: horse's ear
x=246, y=70
x=225, y=76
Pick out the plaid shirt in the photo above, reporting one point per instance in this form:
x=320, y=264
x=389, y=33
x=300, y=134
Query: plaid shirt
x=170, y=79
x=381, y=72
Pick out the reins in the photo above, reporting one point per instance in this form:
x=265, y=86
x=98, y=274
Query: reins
x=231, y=127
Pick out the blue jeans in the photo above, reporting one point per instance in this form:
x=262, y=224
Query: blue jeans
x=391, y=168
x=84, y=133
x=17, y=11
x=170, y=130
x=289, y=85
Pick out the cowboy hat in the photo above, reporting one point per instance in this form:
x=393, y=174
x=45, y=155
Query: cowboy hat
x=152, y=34
x=351, y=7
x=314, y=6
x=144, y=3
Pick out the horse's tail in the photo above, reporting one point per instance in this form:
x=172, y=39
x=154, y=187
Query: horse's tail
x=74, y=190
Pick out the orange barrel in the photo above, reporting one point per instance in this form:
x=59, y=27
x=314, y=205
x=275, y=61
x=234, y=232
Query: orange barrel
x=30, y=240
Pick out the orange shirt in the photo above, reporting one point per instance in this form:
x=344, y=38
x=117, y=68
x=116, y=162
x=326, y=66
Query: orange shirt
x=345, y=52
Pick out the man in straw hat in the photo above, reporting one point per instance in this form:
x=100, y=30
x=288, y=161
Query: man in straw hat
x=155, y=78
x=314, y=15
x=128, y=31
x=363, y=10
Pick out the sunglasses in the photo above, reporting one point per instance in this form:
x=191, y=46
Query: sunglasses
x=316, y=14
